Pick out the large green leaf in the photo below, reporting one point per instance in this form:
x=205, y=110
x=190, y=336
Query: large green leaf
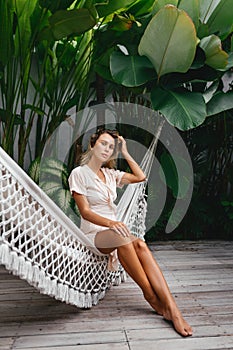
x=178, y=183
x=113, y=6
x=207, y=7
x=192, y=9
x=175, y=80
x=221, y=20
x=53, y=170
x=164, y=38
x=62, y=198
x=65, y=23
x=6, y=32
x=131, y=70
x=185, y=110
x=158, y=4
x=142, y=7
x=215, y=56
x=54, y=6
x=34, y=170
x=23, y=37
x=220, y=102
x=50, y=187
x=210, y=91
x=102, y=67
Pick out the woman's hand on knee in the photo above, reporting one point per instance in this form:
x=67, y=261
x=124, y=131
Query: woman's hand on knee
x=120, y=228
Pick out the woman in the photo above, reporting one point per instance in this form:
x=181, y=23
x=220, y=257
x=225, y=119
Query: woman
x=93, y=186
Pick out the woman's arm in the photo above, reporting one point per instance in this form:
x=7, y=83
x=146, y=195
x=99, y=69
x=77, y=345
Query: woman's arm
x=97, y=219
x=137, y=174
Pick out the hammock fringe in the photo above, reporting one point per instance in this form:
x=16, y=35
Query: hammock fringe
x=37, y=278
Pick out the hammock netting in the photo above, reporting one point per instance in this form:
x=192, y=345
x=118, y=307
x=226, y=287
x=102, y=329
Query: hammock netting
x=41, y=245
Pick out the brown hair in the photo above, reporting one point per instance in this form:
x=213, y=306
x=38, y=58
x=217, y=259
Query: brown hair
x=86, y=156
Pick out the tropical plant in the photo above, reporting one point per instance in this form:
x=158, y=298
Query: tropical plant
x=45, y=72
x=44, y=69
x=54, y=56
x=52, y=177
x=178, y=59
x=176, y=55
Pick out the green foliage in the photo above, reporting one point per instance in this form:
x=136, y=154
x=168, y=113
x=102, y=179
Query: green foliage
x=181, y=42
x=177, y=55
x=215, y=56
x=52, y=176
x=34, y=170
x=54, y=6
x=162, y=3
x=227, y=219
x=113, y=6
x=179, y=187
x=40, y=79
x=185, y=109
x=167, y=29
x=192, y=9
x=64, y=23
x=220, y=20
x=221, y=101
x=130, y=70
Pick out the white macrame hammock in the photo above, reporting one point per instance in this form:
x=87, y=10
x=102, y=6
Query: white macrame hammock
x=41, y=245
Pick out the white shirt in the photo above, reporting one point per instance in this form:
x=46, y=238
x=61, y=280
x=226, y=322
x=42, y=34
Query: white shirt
x=100, y=195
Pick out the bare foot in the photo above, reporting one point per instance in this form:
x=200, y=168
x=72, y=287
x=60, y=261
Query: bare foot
x=181, y=326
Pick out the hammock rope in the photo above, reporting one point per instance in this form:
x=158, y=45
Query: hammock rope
x=41, y=245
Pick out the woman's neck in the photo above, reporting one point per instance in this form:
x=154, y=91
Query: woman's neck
x=94, y=165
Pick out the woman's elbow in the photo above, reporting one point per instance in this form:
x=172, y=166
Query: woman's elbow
x=85, y=213
x=142, y=178
x=138, y=179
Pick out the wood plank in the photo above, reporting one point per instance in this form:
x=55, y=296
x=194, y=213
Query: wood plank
x=200, y=275
x=72, y=339
x=117, y=346
x=6, y=343
x=207, y=343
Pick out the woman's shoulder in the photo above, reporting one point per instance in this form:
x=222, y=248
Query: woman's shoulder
x=109, y=170
x=112, y=172
x=78, y=170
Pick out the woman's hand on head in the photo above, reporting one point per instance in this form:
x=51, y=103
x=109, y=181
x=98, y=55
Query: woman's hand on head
x=122, y=143
x=120, y=228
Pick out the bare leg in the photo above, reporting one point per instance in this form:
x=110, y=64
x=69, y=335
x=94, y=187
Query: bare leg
x=140, y=264
x=170, y=310
x=129, y=260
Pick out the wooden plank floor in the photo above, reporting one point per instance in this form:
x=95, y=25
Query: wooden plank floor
x=200, y=275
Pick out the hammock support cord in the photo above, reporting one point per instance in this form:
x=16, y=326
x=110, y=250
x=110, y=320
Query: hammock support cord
x=40, y=244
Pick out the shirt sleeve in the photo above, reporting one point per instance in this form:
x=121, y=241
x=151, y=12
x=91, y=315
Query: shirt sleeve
x=117, y=175
x=77, y=182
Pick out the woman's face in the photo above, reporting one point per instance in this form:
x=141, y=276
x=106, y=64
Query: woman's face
x=104, y=147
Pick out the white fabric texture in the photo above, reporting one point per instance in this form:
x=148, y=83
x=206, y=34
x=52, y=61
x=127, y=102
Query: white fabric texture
x=100, y=196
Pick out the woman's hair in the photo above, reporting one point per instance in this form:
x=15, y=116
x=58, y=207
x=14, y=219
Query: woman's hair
x=86, y=156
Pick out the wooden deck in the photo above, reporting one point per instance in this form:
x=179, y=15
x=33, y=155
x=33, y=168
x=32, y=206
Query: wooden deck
x=200, y=275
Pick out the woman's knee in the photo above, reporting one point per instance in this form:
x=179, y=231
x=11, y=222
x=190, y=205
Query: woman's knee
x=140, y=246
x=109, y=239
